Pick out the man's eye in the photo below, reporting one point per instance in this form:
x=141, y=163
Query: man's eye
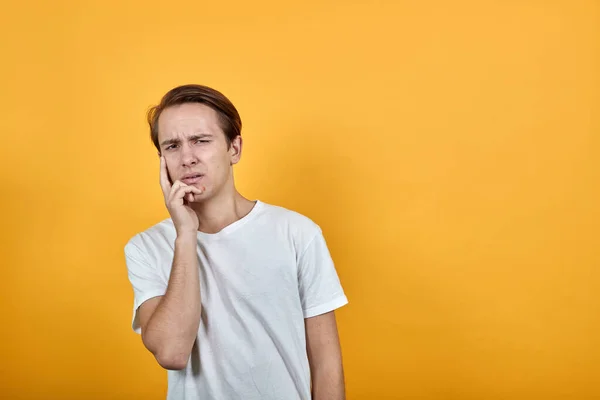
x=202, y=141
x=170, y=147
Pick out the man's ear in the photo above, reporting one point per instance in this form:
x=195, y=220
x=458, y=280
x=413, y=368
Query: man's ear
x=235, y=149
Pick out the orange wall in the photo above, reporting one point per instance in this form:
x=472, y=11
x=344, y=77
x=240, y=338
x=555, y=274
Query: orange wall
x=449, y=150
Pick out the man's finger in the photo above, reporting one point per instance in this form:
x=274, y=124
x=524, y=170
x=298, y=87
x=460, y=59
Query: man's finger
x=177, y=185
x=181, y=191
x=164, y=177
x=195, y=195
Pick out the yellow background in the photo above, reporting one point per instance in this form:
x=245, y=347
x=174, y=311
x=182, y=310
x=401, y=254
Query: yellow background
x=448, y=149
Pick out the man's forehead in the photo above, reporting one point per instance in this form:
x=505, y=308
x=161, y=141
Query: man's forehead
x=175, y=121
x=183, y=121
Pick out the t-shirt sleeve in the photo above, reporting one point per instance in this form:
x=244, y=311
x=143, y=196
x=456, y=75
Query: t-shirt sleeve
x=144, y=279
x=319, y=284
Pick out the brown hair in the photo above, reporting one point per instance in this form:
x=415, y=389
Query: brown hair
x=229, y=118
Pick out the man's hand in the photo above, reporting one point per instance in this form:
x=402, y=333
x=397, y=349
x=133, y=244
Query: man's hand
x=177, y=199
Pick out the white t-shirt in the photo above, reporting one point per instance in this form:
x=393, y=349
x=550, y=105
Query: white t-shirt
x=259, y=278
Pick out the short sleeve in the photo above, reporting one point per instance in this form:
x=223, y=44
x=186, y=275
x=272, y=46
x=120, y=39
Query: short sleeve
x=144, y=279
x=319, y=285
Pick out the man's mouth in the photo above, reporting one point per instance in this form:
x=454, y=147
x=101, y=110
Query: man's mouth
x=191, y=179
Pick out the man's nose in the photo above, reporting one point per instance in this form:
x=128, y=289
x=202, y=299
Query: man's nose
x=187, y=156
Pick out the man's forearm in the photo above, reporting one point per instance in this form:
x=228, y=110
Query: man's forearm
x=173, y=327
x=328, y=383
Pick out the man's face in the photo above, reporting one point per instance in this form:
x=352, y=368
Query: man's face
x=193, y=143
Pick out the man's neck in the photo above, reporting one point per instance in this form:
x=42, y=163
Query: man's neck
x=218, y=213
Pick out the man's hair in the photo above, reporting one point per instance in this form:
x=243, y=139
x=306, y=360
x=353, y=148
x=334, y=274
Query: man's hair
x=229, y=118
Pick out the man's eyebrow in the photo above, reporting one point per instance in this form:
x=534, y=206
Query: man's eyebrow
x=170, y=141
x=193, y=137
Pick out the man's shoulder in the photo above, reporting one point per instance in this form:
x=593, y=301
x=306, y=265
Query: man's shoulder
x=284, y=213
x=293, y=219
x=160, y=231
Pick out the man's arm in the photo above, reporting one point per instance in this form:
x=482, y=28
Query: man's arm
x=325, y=357
x=170, y=323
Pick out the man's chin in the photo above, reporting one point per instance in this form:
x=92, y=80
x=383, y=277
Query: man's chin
x=200, y=198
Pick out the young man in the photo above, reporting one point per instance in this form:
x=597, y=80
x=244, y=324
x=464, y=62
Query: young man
x=233, y=297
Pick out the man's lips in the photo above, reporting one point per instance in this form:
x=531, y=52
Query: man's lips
x=190, y=179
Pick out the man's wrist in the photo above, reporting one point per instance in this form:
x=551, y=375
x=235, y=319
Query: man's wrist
x=186, y=238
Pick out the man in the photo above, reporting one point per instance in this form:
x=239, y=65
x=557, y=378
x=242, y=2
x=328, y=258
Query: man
x=235, y=298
